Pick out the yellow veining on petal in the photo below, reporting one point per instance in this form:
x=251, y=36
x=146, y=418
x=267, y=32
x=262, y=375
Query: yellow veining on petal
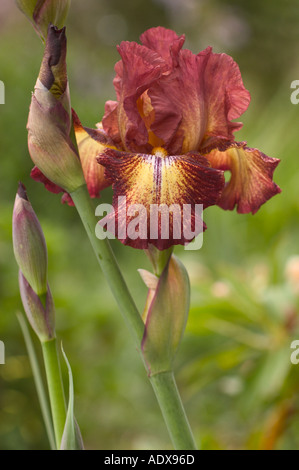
x=171, y=181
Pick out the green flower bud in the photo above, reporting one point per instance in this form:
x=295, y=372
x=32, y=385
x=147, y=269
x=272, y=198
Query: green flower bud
x=42, y=12
x=29, y=243
x=165, y=315
x=40, y=310
x=50, y=128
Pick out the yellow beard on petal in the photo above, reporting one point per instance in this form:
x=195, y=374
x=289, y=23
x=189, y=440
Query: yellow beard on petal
x=159, y=152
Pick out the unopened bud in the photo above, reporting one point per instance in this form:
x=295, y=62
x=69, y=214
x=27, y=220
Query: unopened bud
x=165, y=316
x=42, y=12
x=50, y=128
x=29, y=243
x=39, y=310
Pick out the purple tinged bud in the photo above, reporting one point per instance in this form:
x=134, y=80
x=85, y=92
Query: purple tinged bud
x=40, y=310
x=29, y=243
x=50, y=128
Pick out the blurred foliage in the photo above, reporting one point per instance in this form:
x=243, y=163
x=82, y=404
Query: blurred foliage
x=233, y=369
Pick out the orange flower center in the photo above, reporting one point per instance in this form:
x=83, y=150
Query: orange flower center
x=159, y=152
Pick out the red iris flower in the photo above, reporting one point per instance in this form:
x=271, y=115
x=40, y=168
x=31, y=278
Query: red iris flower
x=169, y=137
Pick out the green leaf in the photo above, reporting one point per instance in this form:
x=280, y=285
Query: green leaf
x=71, y=439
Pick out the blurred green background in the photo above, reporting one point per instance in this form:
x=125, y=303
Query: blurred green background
x=233, y=369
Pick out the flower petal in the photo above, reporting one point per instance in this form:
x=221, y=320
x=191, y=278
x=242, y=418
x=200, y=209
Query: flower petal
x=251, y=182
x=38, y=176
x=89, y=149
x=159, y=182
x=195, y=103
x=226, y=98
x=139, y=68
x=163, y=41
x=110, y=122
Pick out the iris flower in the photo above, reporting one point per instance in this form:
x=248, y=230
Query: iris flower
x=169, y=136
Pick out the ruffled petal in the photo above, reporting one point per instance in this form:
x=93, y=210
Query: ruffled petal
x=139, y=69
x=165, y=42
x=89, y=148
x=195, y=103
x=151, y=182
x=110, y=123
x=225, y=98
x=251, y=183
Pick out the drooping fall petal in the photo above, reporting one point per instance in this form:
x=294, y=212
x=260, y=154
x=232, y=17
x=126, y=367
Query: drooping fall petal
x=251, y=183
x=159, y=189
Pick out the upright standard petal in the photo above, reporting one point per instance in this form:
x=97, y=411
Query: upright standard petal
x=165, y=42
x=251, y=183
x=195, y=103
x=159, y=189
x=139, y=69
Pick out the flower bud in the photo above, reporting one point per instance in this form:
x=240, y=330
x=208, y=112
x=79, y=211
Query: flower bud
x=42, y=12
x=50, y=128
x=40, y=310
x=29, y=243
x=166, y=316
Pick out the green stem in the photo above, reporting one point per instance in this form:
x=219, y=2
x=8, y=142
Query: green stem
x=38, y=382
x=173, y=411
x=108, y=263
x=55, y=387
x=163, y=384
